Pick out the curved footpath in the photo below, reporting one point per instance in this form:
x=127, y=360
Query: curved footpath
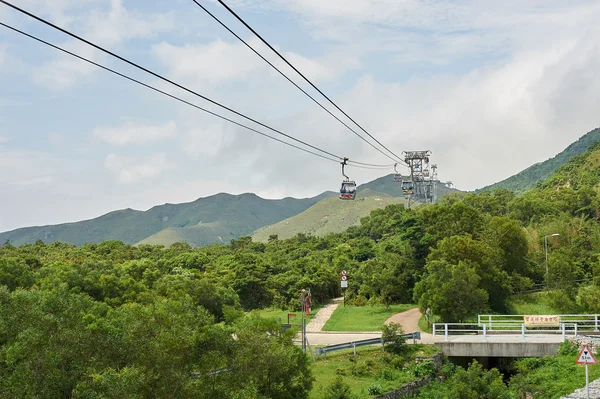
x=409, y=320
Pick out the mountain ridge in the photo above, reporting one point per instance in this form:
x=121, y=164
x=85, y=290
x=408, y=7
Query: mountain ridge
x=541, y=171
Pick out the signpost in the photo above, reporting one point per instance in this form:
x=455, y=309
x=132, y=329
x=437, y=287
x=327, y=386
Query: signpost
x=344, y=283
x=586, y=357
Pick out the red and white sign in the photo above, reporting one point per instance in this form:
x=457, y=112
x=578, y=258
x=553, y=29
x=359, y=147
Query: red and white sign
x=344, y=272
x=586, y=356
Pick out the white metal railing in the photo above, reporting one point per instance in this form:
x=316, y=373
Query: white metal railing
x=586, y=322
x=447, y=329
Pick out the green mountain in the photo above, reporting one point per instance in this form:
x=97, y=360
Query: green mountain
x=330, y=215
x=214, y=219
x=581, y=171
x=539, y=172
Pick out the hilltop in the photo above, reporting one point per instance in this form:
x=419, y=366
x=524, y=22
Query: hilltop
x=328, y=216
x=539, y=172
x=334, y=216
x=214, y=219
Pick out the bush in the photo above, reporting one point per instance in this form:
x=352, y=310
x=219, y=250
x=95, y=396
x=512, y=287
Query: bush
x=375, y=390
x=338, y=390
x=424, y=369
x=392, y=337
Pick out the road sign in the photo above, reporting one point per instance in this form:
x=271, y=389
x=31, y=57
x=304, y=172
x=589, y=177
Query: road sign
x=344, y=272
x=586, y=356
x=344, y=284
x=344, y=278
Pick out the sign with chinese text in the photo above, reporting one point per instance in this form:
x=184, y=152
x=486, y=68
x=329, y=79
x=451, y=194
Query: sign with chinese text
x=541, y=321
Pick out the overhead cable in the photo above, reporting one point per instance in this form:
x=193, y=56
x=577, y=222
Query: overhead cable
x=168, y=94
x=294, y=83
x=304, y=77
x=173, y=82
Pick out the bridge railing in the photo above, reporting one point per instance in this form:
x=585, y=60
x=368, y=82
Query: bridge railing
x=448, y=329
x=587, y=322
x=365, y=342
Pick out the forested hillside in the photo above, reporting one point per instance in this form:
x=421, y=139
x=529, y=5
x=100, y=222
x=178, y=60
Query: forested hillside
x=113, y=320
x=541, y=171
x=215, y=219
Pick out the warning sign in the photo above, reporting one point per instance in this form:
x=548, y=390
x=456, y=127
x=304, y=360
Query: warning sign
x=586, y=356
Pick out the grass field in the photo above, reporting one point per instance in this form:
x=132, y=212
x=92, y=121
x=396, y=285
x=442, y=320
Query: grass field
x=362, y=318
x=327, y=216
x=369, y=368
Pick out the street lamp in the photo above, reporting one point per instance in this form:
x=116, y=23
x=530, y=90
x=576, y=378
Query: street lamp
x=546, y=249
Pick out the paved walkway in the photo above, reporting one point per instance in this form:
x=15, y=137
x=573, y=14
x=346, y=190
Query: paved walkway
x=317, y=323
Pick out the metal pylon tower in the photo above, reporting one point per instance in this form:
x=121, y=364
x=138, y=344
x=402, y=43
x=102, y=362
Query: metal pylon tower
x=422, y=177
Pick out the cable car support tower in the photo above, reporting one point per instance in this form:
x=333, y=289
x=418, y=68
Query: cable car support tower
x=420, y=185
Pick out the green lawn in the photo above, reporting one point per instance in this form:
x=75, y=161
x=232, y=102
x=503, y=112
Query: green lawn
x=370, y=367
x=362, y=318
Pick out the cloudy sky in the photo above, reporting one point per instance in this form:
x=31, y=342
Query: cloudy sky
x=490, y=87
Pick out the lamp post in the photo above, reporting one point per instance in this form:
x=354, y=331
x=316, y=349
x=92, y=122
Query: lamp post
x=546, y=249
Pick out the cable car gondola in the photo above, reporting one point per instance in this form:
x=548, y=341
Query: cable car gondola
x=407, y=186
x=397, y=176
x=348, y=189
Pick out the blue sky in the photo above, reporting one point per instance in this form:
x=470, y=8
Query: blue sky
x=490, y=87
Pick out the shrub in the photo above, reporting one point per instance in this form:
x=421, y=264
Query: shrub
x=375, y=390
x=338, y=389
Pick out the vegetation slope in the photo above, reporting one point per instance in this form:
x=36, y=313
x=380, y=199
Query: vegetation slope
x=328, y=216
x=539, y=172
x=113, y=320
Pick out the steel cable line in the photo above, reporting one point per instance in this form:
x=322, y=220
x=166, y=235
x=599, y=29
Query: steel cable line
x=163, y=78
x=161, y=91
x=168, y=94
x=304, y=77
x=297, y=86
x=174, y=83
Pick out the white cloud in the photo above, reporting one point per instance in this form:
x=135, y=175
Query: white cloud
x=211, y=63
x=131, y=170
x=104, y=27
x=3, y=139
x=132, y=133
x=119, y=24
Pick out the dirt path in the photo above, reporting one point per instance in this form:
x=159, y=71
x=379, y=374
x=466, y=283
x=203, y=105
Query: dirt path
x=409, y=321
x=316, y=323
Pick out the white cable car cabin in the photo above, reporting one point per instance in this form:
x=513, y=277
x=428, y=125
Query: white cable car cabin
x=398, y=178
x=407, y=186
x=348, y=189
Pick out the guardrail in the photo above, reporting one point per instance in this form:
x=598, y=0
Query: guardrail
x=365, y=342
x=447, y=329
x=588, y=322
